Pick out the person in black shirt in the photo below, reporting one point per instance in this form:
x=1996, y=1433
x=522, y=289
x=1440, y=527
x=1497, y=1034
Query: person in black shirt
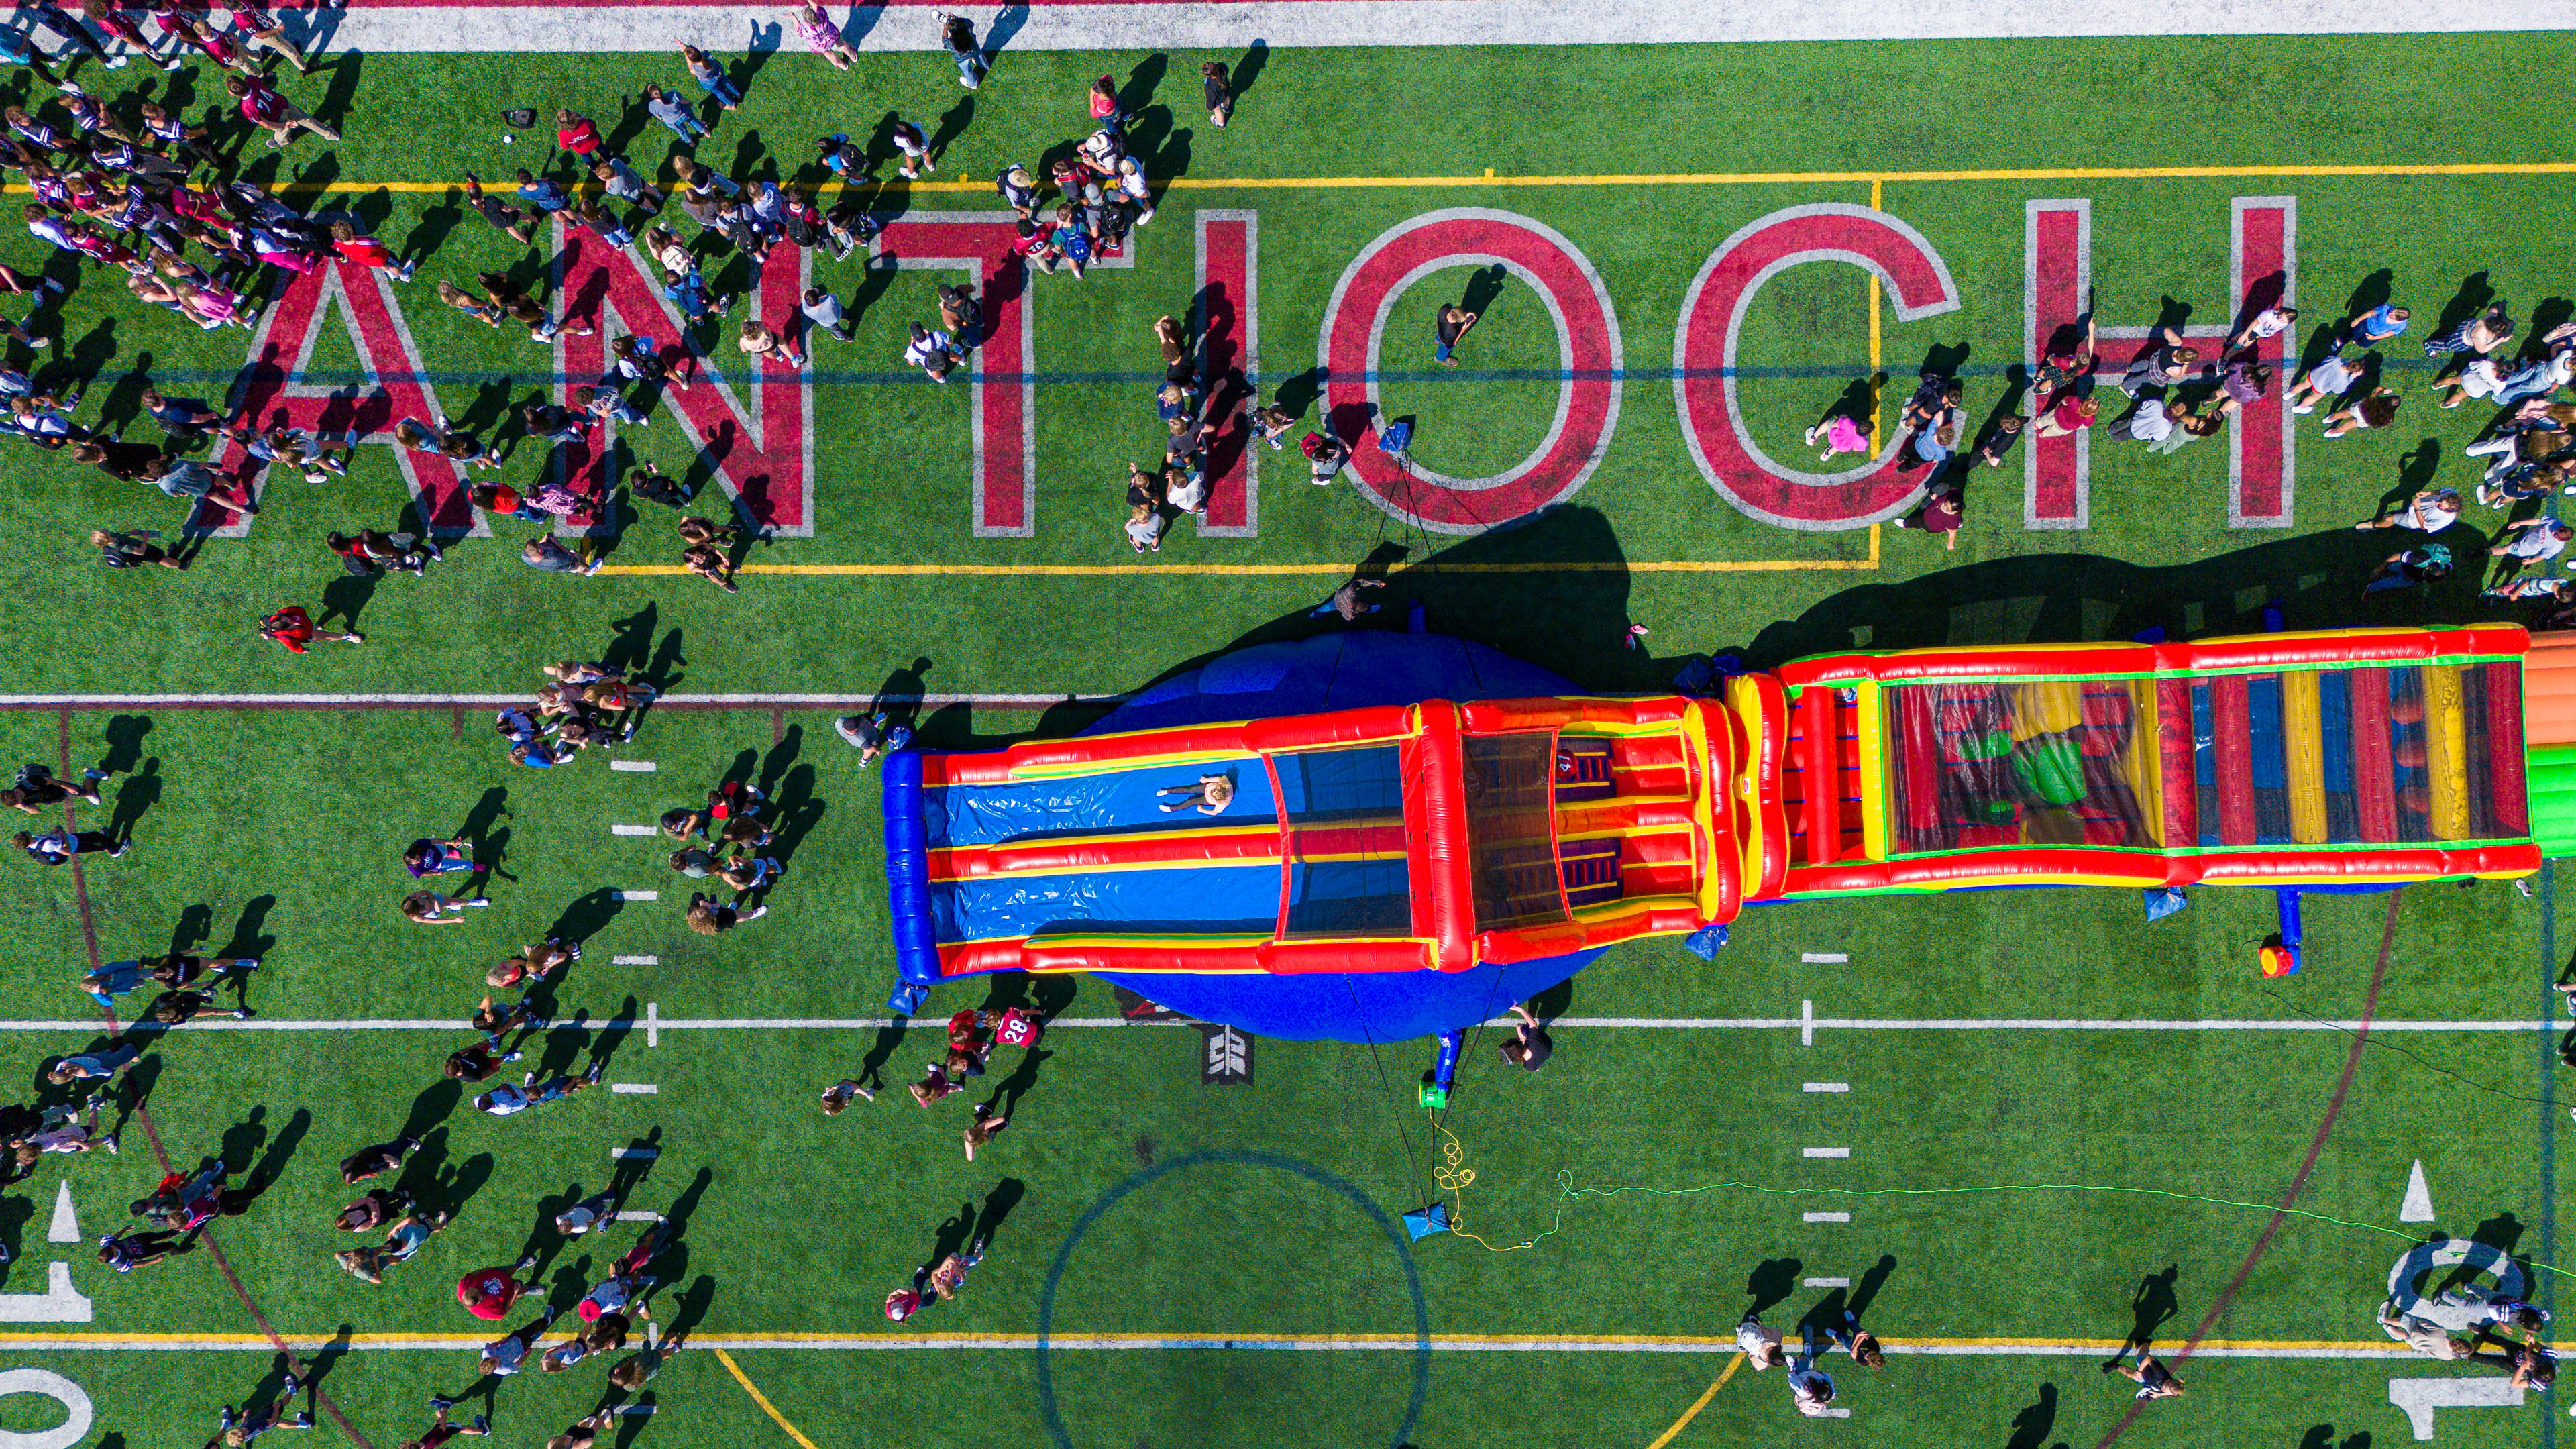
x=1530, y=1046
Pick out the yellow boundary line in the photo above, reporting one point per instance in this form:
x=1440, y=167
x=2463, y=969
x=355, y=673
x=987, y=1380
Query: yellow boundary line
x=798, y=1340
x=1682, y=178
x=1643, y=566
x=760, y=1398
x=1877, y=400
x=1692, y=1412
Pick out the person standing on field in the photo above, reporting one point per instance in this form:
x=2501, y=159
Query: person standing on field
x=1448, y=329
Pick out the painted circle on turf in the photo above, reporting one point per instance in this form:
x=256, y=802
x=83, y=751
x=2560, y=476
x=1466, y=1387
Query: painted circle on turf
x=1589, y=355
x=1061, y=1437
x=1705, y=357
x=2512, y=1279
x=75, y=1402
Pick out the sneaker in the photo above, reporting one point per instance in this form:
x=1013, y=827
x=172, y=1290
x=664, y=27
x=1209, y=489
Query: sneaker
x=119, y=848
x=440, y=1402
x=109, y=1142
x=526, y=1261
x=755, y=913
x=114, y=62
x=482, y=1424
x=512, y=1057
x=250, y=963
x=868, y=1093
x=597, y=1071
x=243, y=1013
x=404, y=273
x=224, y=1420
x=289, y=1385
x=304, y=1420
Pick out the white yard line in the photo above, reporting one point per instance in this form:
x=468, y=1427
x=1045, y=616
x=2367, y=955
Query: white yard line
x=1826, y=1282
x=639, y=895
x=1825, y=1217
x=1825, y=1152
x=1620, y=1023
x=1075, y=1343
x=635, y=1089
x=1827, y=1087
x=634, y=960
x=1822, y=958
x=630, y=830
x=641, y=767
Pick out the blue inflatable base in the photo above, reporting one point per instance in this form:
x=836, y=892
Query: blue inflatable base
x=1353, y=669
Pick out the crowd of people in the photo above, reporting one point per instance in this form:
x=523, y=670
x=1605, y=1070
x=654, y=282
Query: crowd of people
x=2176, y=393
x=122, y=186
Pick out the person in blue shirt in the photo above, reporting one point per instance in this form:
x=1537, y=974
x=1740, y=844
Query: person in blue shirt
x=544, y=193
x=2376, y=325
x=688, y=290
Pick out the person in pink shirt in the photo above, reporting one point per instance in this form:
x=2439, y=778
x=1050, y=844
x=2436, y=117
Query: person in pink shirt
x=817, y=30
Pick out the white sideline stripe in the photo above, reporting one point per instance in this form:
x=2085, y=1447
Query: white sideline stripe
x=1826, y=1217
x=1835, y=1414
x=1631, y=1023
x=635, y=1089
x=496, y=701
x=639, y=1217
x=1827, y=1087
x=1390, y=23
x=630, y=830
x=634, y=960
x=644, y=767
x=890, y=1342
x=1822, y=958
x=1854, y=1023
x=639, y=895
x=1826, y=1282
x=1826, y=1152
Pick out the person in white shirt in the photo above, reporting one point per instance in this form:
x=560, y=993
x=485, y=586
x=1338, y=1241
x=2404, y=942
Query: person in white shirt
x=1811, y=1389
x=1760, y=1344
x=503, y=1356
x=2270, y=322
x=1130, y=183
x=932, y=352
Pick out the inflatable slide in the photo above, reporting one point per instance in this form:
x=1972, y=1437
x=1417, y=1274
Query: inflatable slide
x=1441, y=836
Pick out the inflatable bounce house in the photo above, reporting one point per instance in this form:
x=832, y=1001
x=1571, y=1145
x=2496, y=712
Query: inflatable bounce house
x=1415, y=831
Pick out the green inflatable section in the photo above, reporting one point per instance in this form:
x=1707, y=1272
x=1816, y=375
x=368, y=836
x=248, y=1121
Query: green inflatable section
x=2553, y=797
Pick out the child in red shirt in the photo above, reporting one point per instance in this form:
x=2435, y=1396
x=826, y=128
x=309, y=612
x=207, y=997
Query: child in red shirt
x=293, y=627
x=576, y=133
x=366, y=251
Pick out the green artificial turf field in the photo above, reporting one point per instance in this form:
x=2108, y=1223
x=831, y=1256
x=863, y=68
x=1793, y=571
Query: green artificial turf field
x=1241, y=1238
